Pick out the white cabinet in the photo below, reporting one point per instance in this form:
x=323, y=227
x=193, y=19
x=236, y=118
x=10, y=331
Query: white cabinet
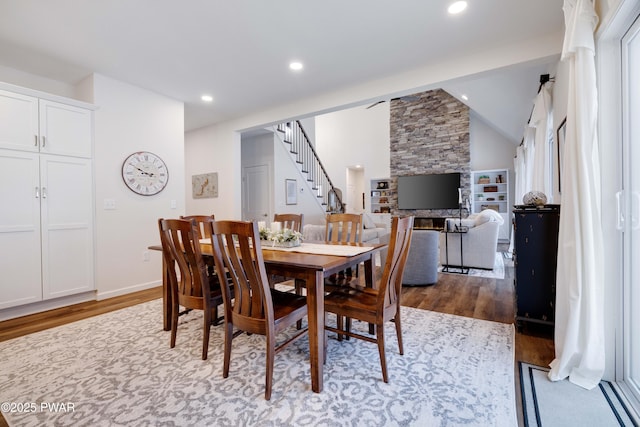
x=46, y=184
x=66, y=210
x=20, y=260
x=40, y=125
x=490, y=190
x=19, y=124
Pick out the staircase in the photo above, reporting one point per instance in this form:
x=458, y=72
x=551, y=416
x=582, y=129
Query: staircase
x=302, y=151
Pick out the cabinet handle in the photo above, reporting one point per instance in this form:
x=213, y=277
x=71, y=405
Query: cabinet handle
x=37, y=192
x=635, y=210
x=44, y=141
x=35, y=142
x=44, y=192
x=619, y=211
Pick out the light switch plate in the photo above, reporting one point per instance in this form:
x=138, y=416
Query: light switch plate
x=109, y=204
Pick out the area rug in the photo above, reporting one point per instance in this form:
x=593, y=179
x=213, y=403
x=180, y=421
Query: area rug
x=496, y=273
x=563, y=404
x=118, y=369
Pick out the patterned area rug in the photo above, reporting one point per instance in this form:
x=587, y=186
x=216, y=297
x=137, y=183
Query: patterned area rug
x=118, y=369
x=563, y=404
x=496, y=273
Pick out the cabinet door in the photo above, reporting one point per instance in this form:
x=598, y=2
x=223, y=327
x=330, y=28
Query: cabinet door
x=19, y=229
x=67, y=225
x=65, y=130
x=19, y=121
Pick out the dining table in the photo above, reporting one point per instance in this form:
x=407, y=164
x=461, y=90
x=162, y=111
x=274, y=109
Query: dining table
x=310, y=264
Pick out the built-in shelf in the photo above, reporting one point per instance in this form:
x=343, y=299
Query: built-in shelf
x=490, y=190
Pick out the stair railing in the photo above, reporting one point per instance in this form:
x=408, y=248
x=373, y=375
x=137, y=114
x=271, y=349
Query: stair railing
x=311, y=167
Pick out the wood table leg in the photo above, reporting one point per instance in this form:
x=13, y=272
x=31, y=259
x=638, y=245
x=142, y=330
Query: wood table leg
x=166, y=297
x=315, y=315
x=370, y=281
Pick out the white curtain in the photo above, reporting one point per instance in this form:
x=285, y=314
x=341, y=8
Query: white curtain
x=579, y=323
x=528, y=151
x=542, y=121
x=519, y=167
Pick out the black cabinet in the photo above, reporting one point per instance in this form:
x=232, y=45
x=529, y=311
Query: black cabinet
x=536, y=255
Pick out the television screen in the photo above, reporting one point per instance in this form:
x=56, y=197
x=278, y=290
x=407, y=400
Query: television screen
x=437, y=191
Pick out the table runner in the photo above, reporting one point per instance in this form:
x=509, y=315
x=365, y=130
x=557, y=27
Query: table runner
x=323, y=249
x=315, y=248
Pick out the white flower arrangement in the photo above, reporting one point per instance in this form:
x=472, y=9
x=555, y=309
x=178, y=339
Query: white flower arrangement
x=282, y=237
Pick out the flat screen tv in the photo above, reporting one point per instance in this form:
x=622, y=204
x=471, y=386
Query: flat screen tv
x=436, y=191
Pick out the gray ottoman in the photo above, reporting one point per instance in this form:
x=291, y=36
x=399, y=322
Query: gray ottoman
x=422, y=262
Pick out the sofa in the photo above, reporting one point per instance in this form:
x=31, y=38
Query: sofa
x=479, y=243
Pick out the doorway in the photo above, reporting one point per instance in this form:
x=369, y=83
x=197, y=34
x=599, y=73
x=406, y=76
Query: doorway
x=256, y=193
x=355, y=189
x=630, y=208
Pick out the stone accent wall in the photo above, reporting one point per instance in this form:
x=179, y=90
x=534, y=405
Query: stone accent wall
x=429, y=134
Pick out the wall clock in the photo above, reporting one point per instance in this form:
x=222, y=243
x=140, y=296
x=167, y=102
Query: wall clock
x=145, y=173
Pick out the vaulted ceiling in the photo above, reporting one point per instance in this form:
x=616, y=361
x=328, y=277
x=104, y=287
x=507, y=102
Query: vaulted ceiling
x=239, y=51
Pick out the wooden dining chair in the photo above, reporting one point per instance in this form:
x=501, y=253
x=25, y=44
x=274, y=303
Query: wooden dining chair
x=343, y=228
x=194, y=288
x=290, y=221
x=380, y=305
x=204, y=232
x=256, y=308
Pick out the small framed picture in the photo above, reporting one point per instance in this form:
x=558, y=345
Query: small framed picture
x=375, y=194
x=291, y=191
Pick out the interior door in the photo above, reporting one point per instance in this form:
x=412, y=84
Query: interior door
x=256, y=194
x=631, y=207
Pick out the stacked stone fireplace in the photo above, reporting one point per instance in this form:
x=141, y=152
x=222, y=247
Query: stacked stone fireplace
x=429, y=135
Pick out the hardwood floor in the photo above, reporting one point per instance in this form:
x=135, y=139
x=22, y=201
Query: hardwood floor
x=480, y=298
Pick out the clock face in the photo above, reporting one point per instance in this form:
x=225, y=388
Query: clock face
x=145, y=173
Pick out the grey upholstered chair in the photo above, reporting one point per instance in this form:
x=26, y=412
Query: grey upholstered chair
x=422, y=261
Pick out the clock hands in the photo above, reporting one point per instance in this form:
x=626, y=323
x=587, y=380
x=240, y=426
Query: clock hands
x=144, y=172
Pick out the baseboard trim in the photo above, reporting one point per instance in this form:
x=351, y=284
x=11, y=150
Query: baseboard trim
x=40, y=306
x=123, y=291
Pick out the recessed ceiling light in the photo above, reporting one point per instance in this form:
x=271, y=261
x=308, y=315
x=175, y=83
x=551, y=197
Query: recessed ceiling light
x=457, y=7
x=465, y=97
x=207, y=98
x=296, y=66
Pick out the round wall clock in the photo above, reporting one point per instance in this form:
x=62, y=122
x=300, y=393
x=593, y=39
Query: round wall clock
x=145, y=173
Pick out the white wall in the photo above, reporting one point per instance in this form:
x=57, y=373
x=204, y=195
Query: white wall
x=131, y=119
x=355, y=136
x=491, y=150
x=215, y=149
x=31, y=81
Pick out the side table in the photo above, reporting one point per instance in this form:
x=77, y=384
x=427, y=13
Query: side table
x=461, y=269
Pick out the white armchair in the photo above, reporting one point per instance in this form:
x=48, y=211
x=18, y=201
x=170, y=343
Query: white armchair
x=479, y=244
